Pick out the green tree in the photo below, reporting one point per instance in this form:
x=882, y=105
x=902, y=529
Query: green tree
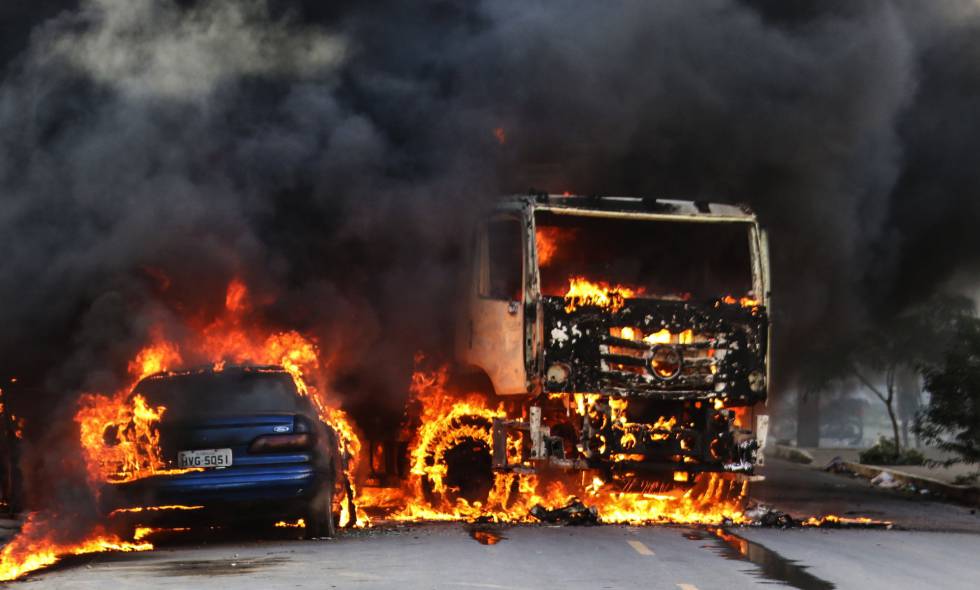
x=881, y=358
x=951, y=419
x=907, y=342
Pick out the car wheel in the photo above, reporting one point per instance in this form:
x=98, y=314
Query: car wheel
x=319, y=515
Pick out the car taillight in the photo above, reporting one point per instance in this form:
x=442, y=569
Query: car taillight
x=302, y=424
x=275, y=443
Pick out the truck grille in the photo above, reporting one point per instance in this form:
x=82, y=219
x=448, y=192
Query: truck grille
x=626, y=354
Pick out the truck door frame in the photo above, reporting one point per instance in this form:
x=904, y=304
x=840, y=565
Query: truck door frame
x=495, y=339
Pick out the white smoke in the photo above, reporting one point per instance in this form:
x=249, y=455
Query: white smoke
x=153, y=48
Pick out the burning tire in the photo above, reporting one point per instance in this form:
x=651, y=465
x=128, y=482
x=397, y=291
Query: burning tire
x=458, y=463
x=469, y=471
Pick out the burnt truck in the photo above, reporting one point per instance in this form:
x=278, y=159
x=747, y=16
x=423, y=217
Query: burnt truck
x=628, y=336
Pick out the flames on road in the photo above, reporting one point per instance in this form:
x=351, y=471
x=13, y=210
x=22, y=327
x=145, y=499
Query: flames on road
x=145, y=532
x=120, y=442
x=137, y=509
x=38, y=545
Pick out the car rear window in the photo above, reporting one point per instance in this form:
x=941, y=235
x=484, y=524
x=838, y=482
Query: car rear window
x=223, y=393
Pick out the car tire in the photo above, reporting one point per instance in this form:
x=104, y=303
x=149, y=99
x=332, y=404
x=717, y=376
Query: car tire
x=319, y=515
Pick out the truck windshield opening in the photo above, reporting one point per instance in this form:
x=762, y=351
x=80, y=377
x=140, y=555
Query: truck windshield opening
x=644, y=258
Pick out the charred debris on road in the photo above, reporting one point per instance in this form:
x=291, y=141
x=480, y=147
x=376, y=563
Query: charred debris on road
x=575, y=513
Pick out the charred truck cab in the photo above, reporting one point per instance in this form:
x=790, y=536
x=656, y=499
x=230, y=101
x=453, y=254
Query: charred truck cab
x=627, y=336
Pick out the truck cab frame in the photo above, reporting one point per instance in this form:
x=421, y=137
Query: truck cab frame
x=632, y=382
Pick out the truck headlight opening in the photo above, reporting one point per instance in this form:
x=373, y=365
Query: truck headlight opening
x=558, y=373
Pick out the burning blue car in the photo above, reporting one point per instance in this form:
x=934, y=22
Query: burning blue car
x=246, y=445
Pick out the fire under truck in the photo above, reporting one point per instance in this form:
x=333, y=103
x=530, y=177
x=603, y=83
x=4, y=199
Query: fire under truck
x=628, y=336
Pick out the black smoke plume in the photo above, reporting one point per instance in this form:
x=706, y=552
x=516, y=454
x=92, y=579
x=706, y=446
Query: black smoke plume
x=330, y=153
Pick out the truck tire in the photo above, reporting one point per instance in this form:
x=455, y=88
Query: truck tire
x=469, y=470
x=319, y=514
x=467, y=461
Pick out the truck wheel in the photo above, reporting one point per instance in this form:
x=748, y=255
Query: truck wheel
x=319, y=514
x=469, y=471
x=458, y=461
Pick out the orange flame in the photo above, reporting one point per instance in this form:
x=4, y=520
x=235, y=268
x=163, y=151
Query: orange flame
x=12, y=419
x=119, y=436
x=143, y=532
x=136, y=509
x=36, y=546
x=547, y=240
x=440, y=429
x=118, y=433
x=120, y=439
x=833, y=519
x=154, y=359
x=235, y=297
x=742, y=301
x=582, y=292
x=448, y=421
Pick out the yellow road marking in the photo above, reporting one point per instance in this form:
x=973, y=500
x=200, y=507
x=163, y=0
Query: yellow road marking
x=640, y=548
x=687, y=587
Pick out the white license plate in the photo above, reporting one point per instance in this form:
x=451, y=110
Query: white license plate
x=204, y=458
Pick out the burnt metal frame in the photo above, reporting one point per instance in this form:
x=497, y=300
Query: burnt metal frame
x=534, y=339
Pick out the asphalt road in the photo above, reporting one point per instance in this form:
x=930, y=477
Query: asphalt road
x=938, y=549
x=804, y=491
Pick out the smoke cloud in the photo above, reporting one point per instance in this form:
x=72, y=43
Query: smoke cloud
x=331, y=153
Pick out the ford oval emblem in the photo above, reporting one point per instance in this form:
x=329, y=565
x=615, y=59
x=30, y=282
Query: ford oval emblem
x=280, y=429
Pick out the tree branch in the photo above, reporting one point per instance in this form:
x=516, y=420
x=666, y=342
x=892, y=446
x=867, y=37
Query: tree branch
x=869, y=385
